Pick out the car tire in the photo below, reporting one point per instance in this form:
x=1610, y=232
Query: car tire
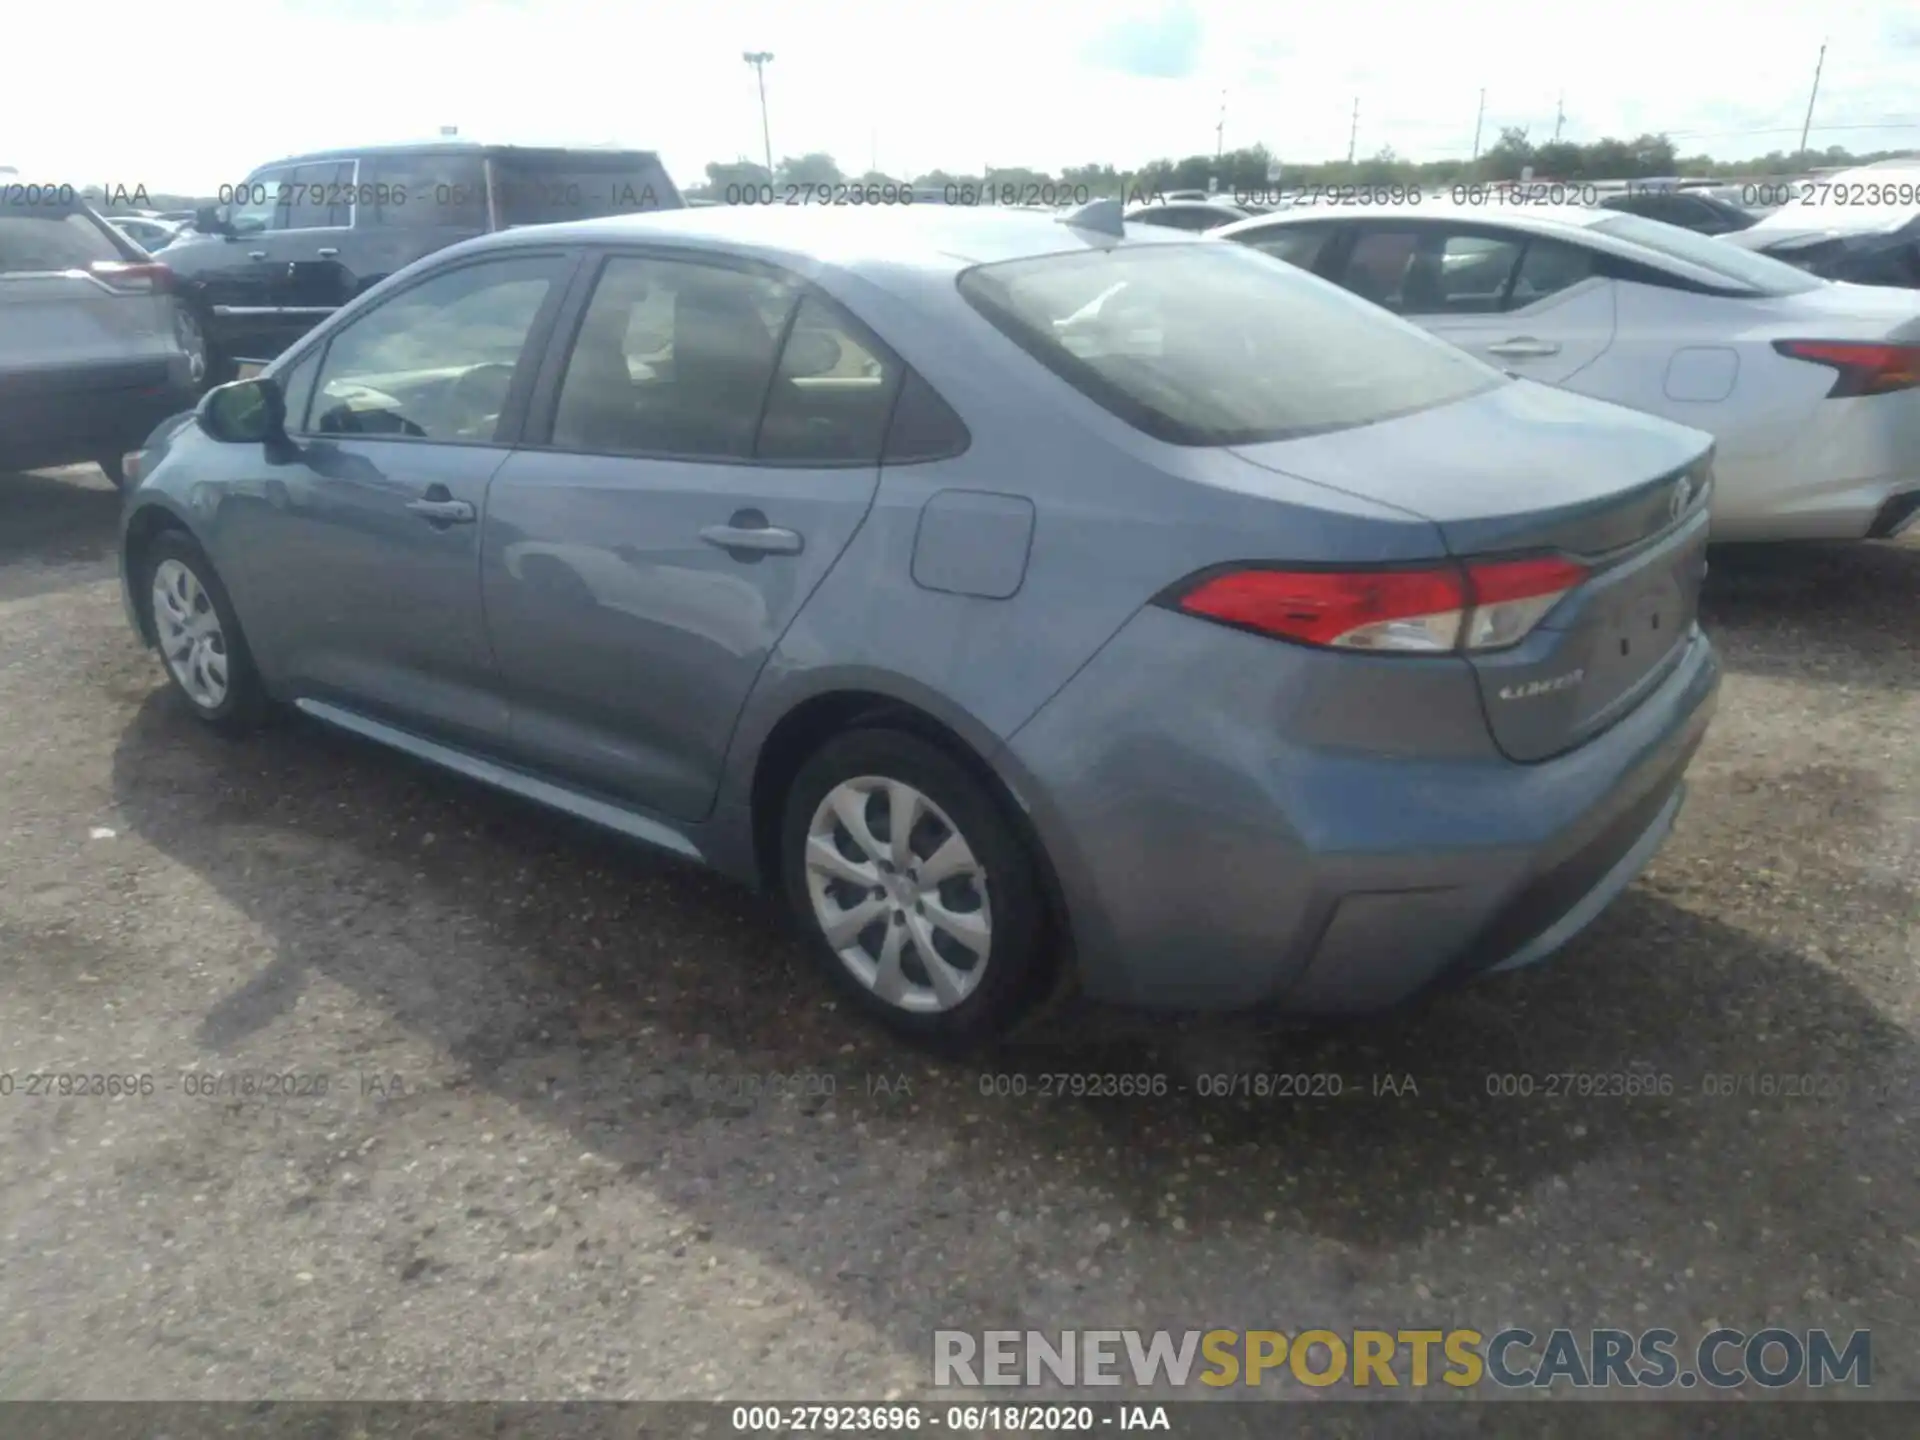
x=198, y=635
x=984, y=918
x=114, y=468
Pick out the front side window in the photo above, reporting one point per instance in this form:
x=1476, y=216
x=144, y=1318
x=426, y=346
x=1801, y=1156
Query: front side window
x=436, y=361
x=672, y=358
x=1296, y=244
x=1215, y=345
x=319, y=197
x=259, y=202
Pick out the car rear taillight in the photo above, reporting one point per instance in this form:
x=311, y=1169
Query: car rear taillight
x=133, y=277
x=1864, y=368
x=1484, y=605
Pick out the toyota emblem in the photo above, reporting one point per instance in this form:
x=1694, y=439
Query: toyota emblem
x=1677, y=500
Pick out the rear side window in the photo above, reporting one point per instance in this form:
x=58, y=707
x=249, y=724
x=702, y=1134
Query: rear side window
x=672, y=358
x=38, y=238
x=1213, y=345
x=423, y=191
x=832, y=393
x=1734, y=266
x=541, y=189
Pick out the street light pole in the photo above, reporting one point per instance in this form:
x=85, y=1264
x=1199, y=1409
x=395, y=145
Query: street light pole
x=1479, y=120
x=758, y=60
x=1818, y=65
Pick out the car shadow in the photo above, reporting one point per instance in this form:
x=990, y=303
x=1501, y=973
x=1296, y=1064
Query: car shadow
x=60, y=520
x=570, y=972
x=1838, y=612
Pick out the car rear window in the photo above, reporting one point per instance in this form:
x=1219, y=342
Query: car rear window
x=38, y=238
x=1758, y=273
x=1215, y=344
x=542, y=190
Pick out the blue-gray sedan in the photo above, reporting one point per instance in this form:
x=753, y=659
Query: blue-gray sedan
x=1033, y=600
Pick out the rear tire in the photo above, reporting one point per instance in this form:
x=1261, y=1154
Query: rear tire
x=198, y=635
x=940, y=934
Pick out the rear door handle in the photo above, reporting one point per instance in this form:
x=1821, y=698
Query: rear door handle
x=1522, y=346
x=439, y=510
x=761, y=539
x=327, y=252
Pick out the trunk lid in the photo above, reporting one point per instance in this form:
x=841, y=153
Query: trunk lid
x=1527, y=470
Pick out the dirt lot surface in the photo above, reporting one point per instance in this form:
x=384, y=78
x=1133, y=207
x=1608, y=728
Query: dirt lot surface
x=502, y=1174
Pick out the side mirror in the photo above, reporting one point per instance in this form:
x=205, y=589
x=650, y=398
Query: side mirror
x=209, y=221
x=244, y=412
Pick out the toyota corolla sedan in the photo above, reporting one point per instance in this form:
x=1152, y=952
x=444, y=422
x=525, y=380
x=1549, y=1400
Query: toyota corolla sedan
x=1035, y=602
x=1810, y=388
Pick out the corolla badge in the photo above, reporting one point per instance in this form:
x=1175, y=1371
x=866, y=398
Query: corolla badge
x=1535, y=688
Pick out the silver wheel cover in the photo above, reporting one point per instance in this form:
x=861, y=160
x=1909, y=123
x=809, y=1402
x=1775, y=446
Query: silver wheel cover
x=899, y=894
x=190, y=636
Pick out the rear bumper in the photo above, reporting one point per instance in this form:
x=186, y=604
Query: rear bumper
x=65, y=416
x=1210, y=864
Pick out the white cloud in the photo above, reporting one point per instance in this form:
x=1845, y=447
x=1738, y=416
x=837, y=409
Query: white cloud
x=950, y=84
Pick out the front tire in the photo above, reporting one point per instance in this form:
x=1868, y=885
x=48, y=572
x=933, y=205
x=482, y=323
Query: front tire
x=198, y=635
x=919, y=898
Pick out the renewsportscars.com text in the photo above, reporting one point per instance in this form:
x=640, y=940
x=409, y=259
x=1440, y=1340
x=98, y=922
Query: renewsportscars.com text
x=1512, y=1358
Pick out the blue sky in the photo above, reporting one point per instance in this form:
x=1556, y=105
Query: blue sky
x=945, y=84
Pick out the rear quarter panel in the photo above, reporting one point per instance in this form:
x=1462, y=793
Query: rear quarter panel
x=1117, y=518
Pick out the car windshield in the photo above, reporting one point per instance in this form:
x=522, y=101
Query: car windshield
x=1758, y=273
x=1212, y=344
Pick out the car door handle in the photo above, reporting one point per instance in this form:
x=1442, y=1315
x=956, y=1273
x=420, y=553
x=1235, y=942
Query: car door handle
x=327, y=252
x=443, y=512
x=1523, y=345
x=761, y=539
x=256, y=254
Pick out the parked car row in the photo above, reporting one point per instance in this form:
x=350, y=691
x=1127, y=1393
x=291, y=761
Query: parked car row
x=1812, y=389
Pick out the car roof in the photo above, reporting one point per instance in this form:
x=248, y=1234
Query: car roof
x=858, y=238
x=449, y=145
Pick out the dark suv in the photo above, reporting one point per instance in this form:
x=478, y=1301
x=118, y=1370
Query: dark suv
x=302, y=236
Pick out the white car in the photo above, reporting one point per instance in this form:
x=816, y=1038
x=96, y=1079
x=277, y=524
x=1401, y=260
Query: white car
x=1810, y=387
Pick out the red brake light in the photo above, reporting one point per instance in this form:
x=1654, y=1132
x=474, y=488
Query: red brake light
x=132, y=277
x=1405, y=610
x=1864, y=368
x=1485, y=606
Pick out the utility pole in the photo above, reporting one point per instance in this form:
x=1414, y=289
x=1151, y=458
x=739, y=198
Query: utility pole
x=1353, y=135
x=1478, y=121
x=1220, y=130
x=1559, y=116
x=758, y=60
x=1818, y=65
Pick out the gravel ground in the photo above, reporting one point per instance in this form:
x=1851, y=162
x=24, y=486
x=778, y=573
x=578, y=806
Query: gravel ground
x=513, y=1187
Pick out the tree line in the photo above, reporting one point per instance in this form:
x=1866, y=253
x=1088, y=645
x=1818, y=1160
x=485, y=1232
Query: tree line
x=1249, y=170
